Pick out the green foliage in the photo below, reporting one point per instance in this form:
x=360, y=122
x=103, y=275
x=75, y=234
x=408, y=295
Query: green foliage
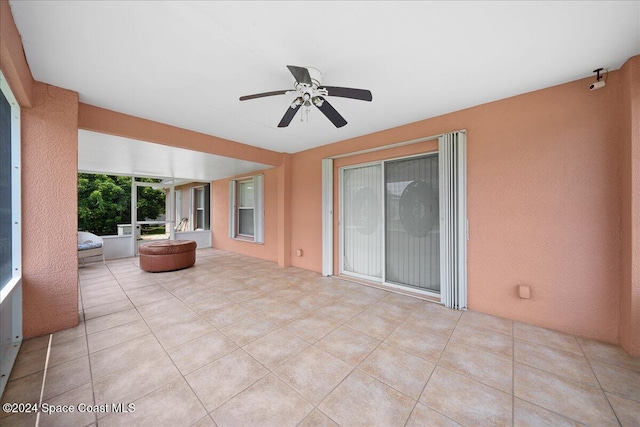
x=104, y=201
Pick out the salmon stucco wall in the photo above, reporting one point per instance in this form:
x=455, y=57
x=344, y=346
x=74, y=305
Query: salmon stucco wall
x=49, y=211
x=220, y=218
x=630, y=207
x=543, y=204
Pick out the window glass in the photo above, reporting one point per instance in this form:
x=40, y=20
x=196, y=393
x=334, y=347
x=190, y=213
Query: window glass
x=245, y=222
x=246, y=194
x=199, y=198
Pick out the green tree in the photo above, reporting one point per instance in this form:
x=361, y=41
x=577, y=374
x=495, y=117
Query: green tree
x=104, y=201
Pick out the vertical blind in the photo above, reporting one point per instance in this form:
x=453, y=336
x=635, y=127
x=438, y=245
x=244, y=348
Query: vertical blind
x=362, y=218
x=412, y=229
x=453, y=220
x=327, y=217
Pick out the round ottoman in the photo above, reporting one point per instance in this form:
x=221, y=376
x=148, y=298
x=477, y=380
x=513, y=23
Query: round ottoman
x=167, y=255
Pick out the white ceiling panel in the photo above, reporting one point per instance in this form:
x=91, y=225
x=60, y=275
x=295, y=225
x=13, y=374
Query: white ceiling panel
x=101, y=153
x=186, y=63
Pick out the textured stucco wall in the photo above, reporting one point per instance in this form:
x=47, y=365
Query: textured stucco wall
x=220, y=218
x=543, y=204
x=49, y=211
x=630, y=207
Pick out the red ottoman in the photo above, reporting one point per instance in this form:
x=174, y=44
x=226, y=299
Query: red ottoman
x=167, y=255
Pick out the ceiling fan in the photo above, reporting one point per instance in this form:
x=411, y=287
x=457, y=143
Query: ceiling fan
x=308, y=90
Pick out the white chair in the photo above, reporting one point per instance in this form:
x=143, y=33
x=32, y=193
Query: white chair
x=90, y=245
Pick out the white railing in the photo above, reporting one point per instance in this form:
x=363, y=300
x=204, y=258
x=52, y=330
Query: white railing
x=121, y=246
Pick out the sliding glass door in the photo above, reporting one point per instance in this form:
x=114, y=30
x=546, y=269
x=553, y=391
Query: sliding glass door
x=390, y=222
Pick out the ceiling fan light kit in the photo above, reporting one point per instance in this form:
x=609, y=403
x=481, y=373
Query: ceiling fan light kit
x=309, y=91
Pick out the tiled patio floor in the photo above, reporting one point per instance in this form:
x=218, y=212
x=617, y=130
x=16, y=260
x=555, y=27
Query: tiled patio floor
x=236, y=341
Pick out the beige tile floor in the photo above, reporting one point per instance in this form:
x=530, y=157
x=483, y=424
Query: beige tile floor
x=236, y=341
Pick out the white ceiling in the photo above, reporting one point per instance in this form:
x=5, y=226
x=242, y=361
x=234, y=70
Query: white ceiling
x=186, y=63
x=99, y=152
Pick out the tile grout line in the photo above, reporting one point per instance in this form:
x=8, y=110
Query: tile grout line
x=436, y=365
x=44, y=378
x=599, y=383
x=151, y=333
x=563, y=415
x=166, y=353
x=89, y=354
x=343, y=323
x=209, y=413
x=86, y=335
x=314, y=344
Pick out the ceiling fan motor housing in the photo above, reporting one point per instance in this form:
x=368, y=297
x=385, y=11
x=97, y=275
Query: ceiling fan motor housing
x=308, y=94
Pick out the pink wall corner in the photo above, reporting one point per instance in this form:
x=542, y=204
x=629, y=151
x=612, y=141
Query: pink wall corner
x=284, y=211
x=543, y=204
x=49, y=211
x=630, y=207
x=220, y=218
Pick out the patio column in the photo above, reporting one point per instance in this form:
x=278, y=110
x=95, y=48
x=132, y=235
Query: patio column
x=49, y=211
x=630, y=207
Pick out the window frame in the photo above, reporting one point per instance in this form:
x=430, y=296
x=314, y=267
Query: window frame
x=257, y=208
x=16, y=199
x=11, y=291
x=198, y=198
x=239, y=208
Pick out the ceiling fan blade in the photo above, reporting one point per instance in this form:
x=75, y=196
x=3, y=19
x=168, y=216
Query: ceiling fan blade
x=262, y=95
x=348, y=92
x=301, y=74
x=331, y=113
x=288, y=116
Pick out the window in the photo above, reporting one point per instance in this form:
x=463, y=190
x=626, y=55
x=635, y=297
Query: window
x=201, y=200
x=192, y=203
x=246, y=216
x=245, y=208
x=10, y=264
